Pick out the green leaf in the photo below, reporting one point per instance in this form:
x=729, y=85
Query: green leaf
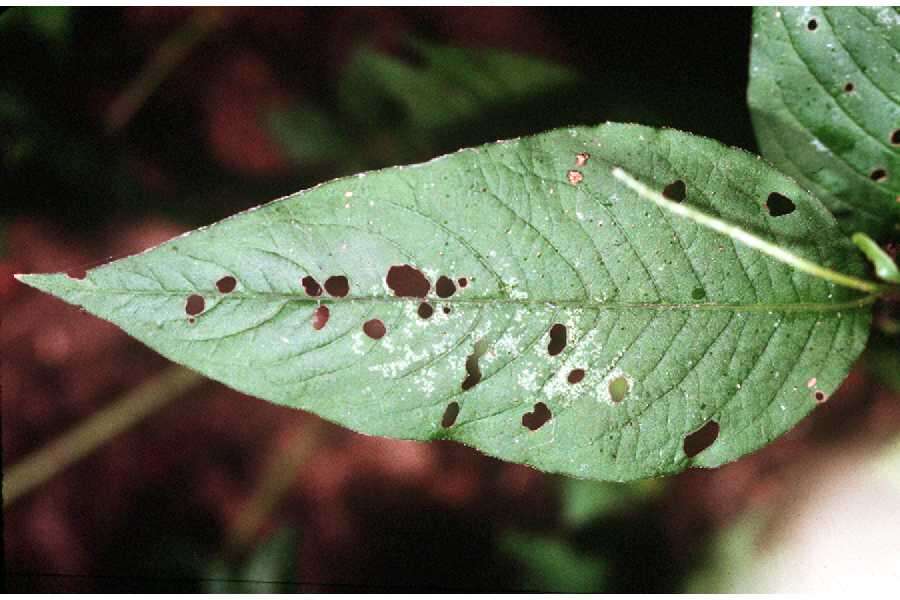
x=825, y=99
x=554, y=565
x=574, y=285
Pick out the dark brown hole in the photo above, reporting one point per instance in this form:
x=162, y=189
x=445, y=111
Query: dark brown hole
x=473, y=372
x=581, y=159
x=425, y=310
x=675, y=191
x=194, y=305
x=320, y=317
x=701, y=439
x=557, y=339
x=812, y=25
x=444, y=287
x=408, y=281
x=446, y=310
x=462, y=282
x=374, y=328
x=779, y=205
x=536, y=419
x=820, y=396
x=895, y=137
x=337, y=286
x=848, y=87
x=226, y=284
x=77, y=273
x=576, y=375
x=878, y=175
x=311, y=286
x=618, y=389
x=450, y=415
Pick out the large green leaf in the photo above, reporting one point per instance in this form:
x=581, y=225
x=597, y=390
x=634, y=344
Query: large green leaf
x=825, y=99
x=674, y=326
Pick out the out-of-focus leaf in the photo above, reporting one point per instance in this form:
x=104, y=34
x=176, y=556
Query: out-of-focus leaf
x=584, y=500
x=825, y=98
x=309, y=135
x=575, y=286
x=272, y=567
x=54, y=23
x=553, y=565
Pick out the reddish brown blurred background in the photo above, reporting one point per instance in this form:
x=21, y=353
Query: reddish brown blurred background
x=103, y=157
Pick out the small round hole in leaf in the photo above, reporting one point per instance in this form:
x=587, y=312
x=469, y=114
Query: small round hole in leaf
x=374, y=328
x=812, y=25
x=557, y=343
x=226, y=285
x=779, y=205
x=446, y=309
x=77, y=273
x=450, y=415
x=575, y=177
x=194, y=305
x=675, y=191
x=849, y=87
x=700, y=440
x=462, y=282
x=407, y=281
x=820, y=396
x=444, y=287
x=537, y=418
x=581, y=159
x=425, y=310
x=618, y=389
x=576, y=375
x=895, y=137
x=337, y=286
x=878, y=175
x=320, y=317
x=311, y=286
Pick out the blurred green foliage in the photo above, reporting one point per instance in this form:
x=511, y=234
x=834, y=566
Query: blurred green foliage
x=270, y=567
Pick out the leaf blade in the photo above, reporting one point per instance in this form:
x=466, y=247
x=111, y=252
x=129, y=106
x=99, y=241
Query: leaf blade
x=536, y=250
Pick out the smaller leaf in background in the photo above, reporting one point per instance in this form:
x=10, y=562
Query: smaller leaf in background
x=554, y=565
x=584, y=501
x=270, y=568
x=309, y=135
x=53, y=23
x=885, y=267
x=825, y=100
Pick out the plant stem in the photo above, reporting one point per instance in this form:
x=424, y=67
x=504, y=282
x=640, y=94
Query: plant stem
x=96, y=430
x=746, y=238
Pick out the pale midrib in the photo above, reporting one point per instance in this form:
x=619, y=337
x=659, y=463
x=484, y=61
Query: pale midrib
x=813, y=307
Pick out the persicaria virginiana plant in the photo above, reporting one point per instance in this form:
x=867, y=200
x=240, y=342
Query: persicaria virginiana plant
x=612, y=302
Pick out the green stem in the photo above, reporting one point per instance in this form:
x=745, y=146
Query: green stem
x=96, y=430
x=748, y=239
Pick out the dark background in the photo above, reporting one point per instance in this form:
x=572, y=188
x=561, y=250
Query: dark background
x=155, y=508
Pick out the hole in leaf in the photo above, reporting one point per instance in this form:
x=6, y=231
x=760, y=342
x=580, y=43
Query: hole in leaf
x=557, y=339
x=191, y=320
x=618, y=389
x=77, y=273
x=337, y=286
x=537, y=418
x=812, y=25
x=675, y=191
x=575, y=177
x=374, y=328
x=700, y=440
x=446, y=310
x=581, y=159
x=450, y=415
x=895, y=137
x=311, y=286
x=698, y=293
x=849, y=87
x=462, y=282
x=878, y=175
x=227, y=284
x=820, y=396
x=779, y=205
x=473, y=372
x=576, y=375
x=444, y=287
x=425, y=310
x=320, y=317
x=194, y=305
x=407, y=281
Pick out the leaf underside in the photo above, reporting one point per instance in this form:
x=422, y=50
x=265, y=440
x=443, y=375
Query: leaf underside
x=537, y=265
x=825, y=100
